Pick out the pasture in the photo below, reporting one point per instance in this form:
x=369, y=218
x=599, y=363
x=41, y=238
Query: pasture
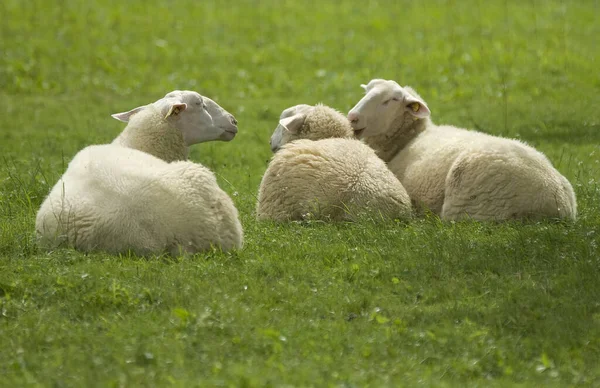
x=424, y=302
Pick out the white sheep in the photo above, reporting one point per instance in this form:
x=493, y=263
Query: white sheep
x=116, y=198
x=330, y=177
x=454, y=172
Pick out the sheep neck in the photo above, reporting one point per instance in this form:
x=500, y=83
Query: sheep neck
x=149, y=132
x=390, y=144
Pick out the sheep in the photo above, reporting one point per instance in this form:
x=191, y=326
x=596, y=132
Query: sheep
x=320, y=171
x=117, y=199
x=160, y=130
x=458, y=173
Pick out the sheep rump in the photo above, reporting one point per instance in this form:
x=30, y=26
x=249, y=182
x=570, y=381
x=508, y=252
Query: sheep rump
x=473, y=175
x=117, y=199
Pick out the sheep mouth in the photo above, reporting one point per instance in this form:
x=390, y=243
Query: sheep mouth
x=359, y=132
x=228, y=134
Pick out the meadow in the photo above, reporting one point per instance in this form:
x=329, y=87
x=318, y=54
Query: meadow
x=419, y=303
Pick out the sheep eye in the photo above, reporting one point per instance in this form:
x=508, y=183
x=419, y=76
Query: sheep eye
x=391, y=99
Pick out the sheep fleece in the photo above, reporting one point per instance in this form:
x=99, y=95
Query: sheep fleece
x=149, y=132
x=459, y=173
x=118, y=199
x=329, y=179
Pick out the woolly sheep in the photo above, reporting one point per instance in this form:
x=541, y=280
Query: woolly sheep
x=332, y=176
x=454, y=172
x=115, y=198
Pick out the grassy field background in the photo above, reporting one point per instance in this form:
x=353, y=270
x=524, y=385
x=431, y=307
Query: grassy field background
x=419, y=303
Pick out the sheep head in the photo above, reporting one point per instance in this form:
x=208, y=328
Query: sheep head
x=310, y=122
x=199, y=118
x=383, y=106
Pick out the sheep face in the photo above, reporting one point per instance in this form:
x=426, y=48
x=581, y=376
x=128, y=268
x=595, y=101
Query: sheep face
x=222, y=119
x=200, y=120
x=384, y=103
x=290, y=123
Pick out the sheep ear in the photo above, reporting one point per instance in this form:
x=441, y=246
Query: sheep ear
x=176, y=108
x=125, y=116
x=364, y=86
x=293, y=123
x=417, y=108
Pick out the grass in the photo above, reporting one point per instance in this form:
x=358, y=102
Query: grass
x=419, y=303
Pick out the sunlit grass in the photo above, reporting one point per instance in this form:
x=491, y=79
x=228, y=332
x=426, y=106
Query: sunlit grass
x=423, y=302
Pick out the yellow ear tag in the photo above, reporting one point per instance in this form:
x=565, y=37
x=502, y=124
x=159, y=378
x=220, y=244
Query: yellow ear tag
x=415, y=106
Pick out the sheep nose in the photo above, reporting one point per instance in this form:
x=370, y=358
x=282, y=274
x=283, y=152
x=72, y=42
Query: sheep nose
x=354, y=118
x=233, y=120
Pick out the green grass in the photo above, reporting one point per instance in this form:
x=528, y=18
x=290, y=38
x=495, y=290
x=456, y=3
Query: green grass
x=419, y=303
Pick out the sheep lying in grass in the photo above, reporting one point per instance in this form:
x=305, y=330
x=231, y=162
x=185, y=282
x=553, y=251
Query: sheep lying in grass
x=454, y=172
x=329, y=177
x=116, y=198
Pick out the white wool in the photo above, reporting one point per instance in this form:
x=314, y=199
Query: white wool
x=126, y=197
x=149, y=131
x=117, y=199
x=454, y=172
x=330, y=177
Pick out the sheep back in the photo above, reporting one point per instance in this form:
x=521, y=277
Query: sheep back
x=330, y=179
